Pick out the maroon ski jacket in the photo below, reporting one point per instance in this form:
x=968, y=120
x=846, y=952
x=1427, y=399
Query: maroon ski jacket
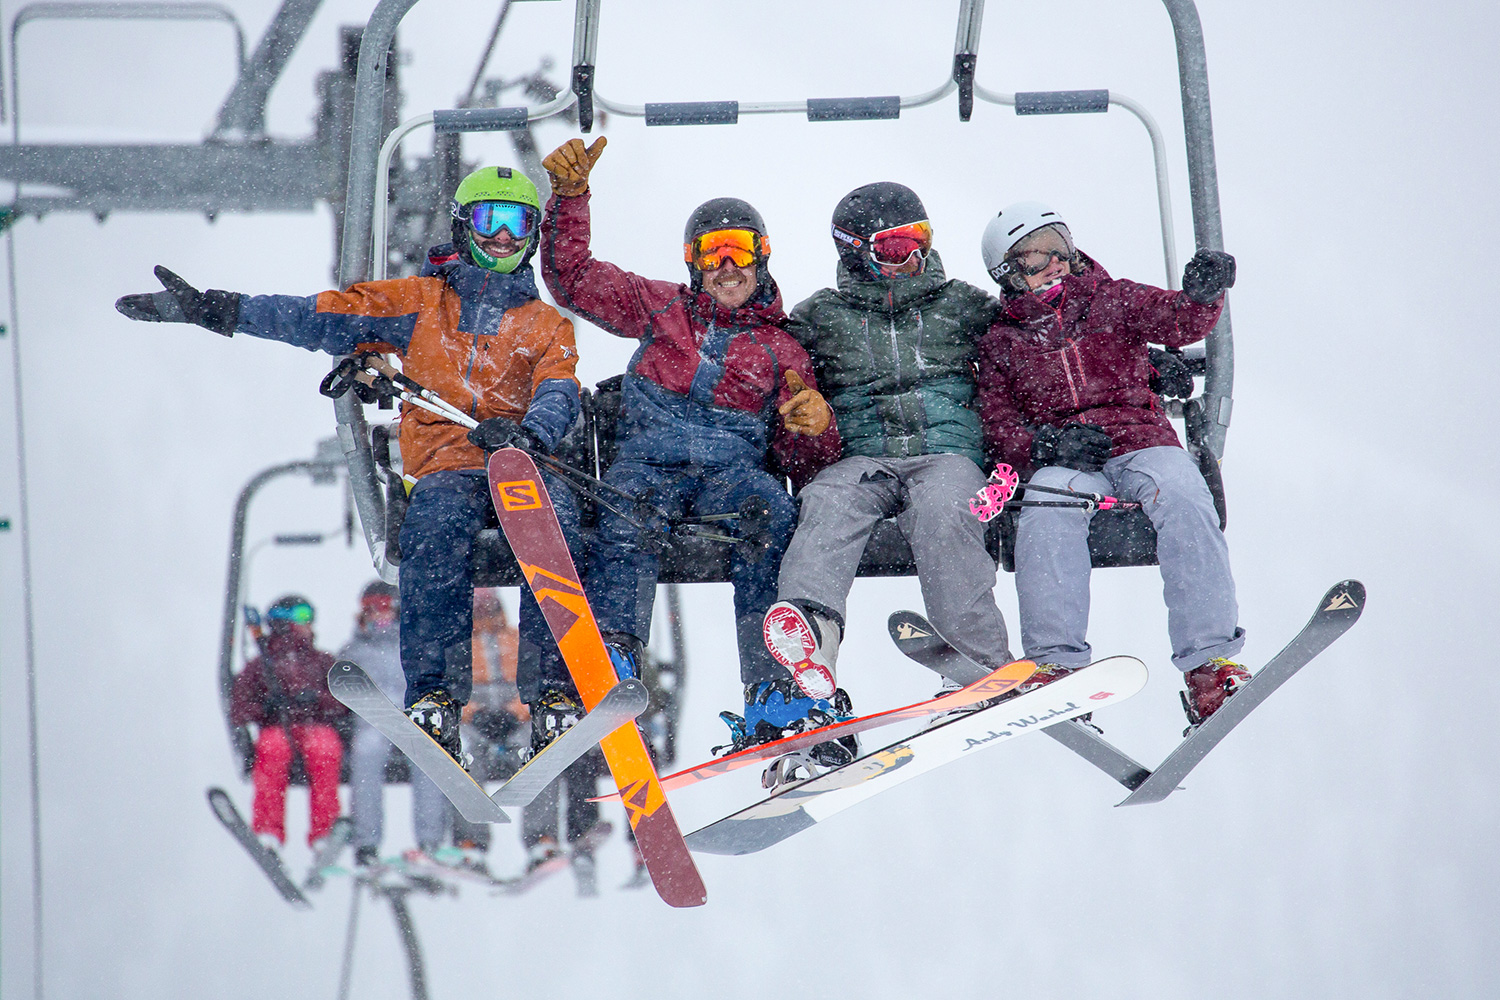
x=299, y=686
x=1082, y=359
x=705, y=384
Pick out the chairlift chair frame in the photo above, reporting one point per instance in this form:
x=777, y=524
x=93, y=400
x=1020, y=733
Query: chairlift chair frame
x=1117, y=538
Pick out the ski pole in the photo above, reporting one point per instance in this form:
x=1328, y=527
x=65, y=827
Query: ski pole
x=995, y=496
x=373, y=378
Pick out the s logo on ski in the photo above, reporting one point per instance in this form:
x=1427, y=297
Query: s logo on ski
x=520, y=494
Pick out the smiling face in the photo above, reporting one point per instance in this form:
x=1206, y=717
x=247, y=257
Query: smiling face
x=730, y=285
x=501, y=245
x=1043, y=257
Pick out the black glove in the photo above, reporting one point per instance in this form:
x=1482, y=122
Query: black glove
x=215, y=309
x=1077, y=446
x=1170, y=375
x=499, y=432
x=1207, y=275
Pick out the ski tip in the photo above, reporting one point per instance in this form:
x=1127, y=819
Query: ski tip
x=1347, y=596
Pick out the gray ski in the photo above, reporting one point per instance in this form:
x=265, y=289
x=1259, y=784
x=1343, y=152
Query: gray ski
x=223, y=807
x=1337, y=611
x=795, y=807
x=328, y=855
x=915, y=636
x=351, y=685
x=623, y=703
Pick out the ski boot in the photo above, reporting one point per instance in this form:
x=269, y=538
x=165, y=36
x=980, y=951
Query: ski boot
x=543, y=852
x=776, y=709
x=1207, y=688
x=553, y=714
x=803, y=636
x=1045, y=674
x=437, y=715
x=626, y=654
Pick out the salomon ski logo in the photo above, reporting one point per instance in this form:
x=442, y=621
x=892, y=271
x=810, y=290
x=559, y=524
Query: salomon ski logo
x=1343, y=602
x=520, y=494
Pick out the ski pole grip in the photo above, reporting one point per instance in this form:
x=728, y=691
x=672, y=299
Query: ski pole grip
x=340, y=380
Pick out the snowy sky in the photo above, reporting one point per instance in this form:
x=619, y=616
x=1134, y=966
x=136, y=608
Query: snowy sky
x=1339, y=845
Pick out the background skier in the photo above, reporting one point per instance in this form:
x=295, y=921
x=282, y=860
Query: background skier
x=715, y=381
x=376, y=647
x=472, y=329
x=284, y=691
x=893, y=345
x=1064, y=394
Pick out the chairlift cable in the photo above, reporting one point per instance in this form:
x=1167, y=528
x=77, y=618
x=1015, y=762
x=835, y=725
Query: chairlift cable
x=29, y=630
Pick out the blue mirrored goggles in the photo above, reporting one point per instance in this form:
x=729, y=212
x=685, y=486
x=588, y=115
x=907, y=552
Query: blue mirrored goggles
x=487, y=218
x=302, y=614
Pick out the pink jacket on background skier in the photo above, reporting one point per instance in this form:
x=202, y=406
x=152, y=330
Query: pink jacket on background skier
x=1081, y=358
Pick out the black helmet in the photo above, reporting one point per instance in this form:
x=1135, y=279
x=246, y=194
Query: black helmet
x=865, y=211
x=726, y=213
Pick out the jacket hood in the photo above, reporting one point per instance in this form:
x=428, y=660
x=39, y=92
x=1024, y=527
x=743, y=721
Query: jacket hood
x=898, y=292
x=505, y=291
x=763, y=309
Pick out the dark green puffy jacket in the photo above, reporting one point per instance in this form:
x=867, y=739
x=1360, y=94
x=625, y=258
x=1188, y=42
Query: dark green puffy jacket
x=895, y=359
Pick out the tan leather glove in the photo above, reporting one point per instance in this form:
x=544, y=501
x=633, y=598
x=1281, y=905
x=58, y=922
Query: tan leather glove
x=807, y=411
x=569, y=166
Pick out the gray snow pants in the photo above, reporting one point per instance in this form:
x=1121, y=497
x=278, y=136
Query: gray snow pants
x=430, y=809
x=1052, y=560
x=928, y=495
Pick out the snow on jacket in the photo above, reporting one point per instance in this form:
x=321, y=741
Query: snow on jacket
x=294, y=689
x=706, y=382
x=481, y=340
x=896, y=359
x=1082, y=359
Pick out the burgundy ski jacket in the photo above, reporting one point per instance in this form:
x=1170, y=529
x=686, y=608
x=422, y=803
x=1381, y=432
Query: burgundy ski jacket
x=1082, y=359
x=297, y=691
x=705, y=384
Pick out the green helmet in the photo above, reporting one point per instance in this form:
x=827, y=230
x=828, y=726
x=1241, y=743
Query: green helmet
x=496, y=184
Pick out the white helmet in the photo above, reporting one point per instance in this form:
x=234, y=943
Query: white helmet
x=1011, y=225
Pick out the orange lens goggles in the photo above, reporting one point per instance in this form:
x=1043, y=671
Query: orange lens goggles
x=896, y=245
x=741, y=247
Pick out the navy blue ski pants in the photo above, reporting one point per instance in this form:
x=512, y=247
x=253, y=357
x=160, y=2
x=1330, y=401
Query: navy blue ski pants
x=624, y=563
x=437, y=587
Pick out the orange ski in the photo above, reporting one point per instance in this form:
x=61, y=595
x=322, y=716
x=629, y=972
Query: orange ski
x=530, y=525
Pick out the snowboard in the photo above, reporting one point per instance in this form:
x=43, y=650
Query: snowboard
x=530, y=525
x=991, y=684
x=267, y=859
x=1336, y=612
x=797, y=807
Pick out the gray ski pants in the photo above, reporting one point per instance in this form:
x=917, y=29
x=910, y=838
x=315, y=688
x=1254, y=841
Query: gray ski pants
x=928, y=495
x=1052, y=560
x=430, y=809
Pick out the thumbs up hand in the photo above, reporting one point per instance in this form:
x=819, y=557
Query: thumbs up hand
x=807, y=412
x=569, y=166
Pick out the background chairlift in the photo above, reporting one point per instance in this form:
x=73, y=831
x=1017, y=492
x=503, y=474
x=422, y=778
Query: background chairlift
x=1116, y=538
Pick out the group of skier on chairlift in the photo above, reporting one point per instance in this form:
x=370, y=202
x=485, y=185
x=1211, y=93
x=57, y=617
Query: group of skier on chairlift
x=882, y=397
